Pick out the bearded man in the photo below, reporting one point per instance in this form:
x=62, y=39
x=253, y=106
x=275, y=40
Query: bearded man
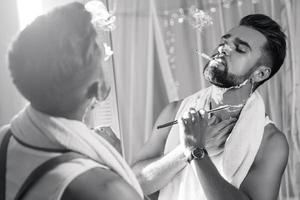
x=235, y=153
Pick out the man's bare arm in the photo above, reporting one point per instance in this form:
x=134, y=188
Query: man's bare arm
x=264, y=178
x=153, y=169
x=154, y=174
x=262, y=181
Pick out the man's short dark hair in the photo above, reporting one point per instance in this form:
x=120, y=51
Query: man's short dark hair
x=275, y=48
x=53, y=55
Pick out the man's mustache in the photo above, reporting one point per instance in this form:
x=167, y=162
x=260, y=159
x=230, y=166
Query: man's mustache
x=221, y=57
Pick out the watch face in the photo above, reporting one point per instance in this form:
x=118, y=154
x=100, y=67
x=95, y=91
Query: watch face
x=198, y=153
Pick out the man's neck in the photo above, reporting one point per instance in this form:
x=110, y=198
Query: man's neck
x=233, y=97
x=75, y=115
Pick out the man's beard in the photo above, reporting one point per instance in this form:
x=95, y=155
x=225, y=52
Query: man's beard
x=219, y=76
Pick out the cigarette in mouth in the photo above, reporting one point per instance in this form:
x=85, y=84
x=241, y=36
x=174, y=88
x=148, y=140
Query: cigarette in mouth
x=206, y=56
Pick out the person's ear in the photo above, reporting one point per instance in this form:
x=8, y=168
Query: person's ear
x=261, y=73
x=103, y=90
x=99, y=90
x=93, y=90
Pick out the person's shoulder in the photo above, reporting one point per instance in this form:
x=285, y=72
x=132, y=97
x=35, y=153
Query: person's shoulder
x=275, y=139
x=99, y=183
x=264, y=177
x=173, y=105
x=274, y=145
x=169, y=112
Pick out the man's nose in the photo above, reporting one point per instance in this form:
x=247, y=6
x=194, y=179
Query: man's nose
x=224, y=50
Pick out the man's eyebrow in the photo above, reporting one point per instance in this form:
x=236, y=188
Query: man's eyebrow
x=237, y=40
x=226, y=36
x=240, y=41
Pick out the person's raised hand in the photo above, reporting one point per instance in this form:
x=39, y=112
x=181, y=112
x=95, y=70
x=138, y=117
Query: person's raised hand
x=192, y=127
x=199, y=131
x=217, y=136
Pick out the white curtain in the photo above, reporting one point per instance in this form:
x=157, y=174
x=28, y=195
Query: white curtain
x=133, y=51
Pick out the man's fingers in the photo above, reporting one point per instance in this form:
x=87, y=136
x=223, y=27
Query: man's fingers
x=212, y=120
x=220, y=139
x=223, y=139
x=225, y=123
x=219, y=129
x=192, y=110
x=184, y=121
x=228, y=128
x=193, y=115
x=187, y=117
x=203, y=114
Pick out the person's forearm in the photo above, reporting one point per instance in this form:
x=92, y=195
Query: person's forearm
x=213, y=184
x=155, y=173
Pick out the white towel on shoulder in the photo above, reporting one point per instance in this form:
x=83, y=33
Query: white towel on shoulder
x=72, y=135
x=233, y=162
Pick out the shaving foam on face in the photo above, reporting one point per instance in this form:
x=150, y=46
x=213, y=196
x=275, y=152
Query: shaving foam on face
x=240, y=85
x=218, y=92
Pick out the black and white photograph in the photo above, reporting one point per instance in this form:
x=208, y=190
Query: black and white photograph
x=149, y=100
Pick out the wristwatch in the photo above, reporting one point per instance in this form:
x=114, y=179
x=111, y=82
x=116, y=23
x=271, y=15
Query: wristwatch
x=197, y=153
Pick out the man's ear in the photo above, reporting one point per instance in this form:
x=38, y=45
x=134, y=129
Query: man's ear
x=261, y=73
x=93, y=90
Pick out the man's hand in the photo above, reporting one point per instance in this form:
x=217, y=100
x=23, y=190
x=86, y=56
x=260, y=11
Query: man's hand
x=215, y=140
x=192, y=126
x=199, y=131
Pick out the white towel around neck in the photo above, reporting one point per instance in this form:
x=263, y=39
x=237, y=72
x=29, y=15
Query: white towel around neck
x=234, y=162
x=72, y=135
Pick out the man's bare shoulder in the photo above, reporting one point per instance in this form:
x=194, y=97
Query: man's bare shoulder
x=275, y=140
x=274, y=145
x=167, y=114
x=171, y=108
x=99, y=183
x=264, y=177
